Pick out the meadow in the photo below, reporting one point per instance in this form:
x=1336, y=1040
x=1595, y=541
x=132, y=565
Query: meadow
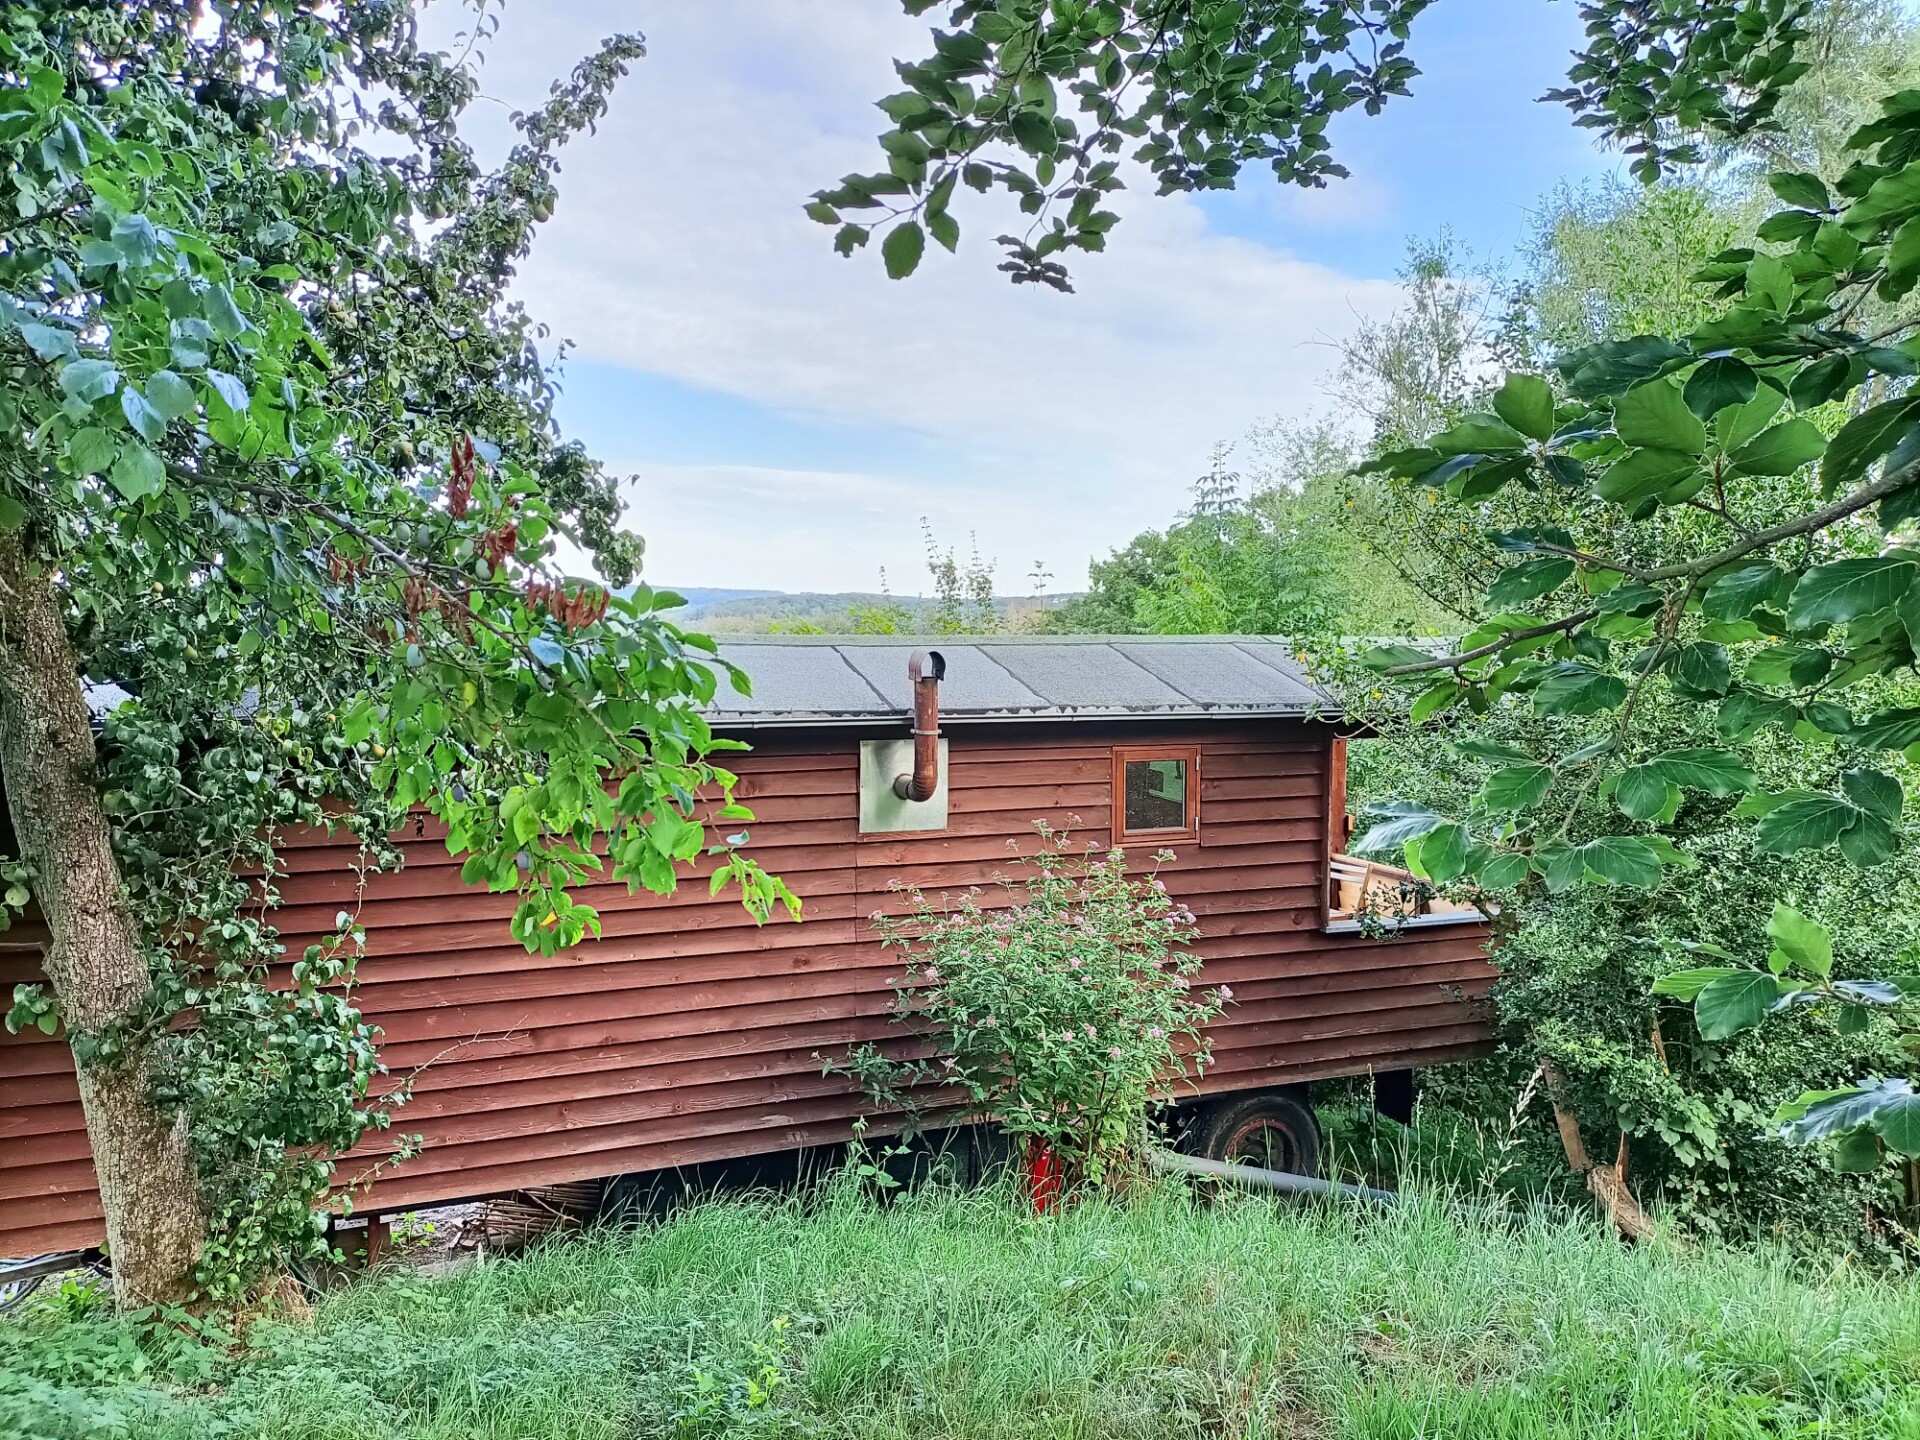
x=951, y=1314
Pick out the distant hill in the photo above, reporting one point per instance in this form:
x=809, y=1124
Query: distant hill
x=760, y=612
x=700, y=597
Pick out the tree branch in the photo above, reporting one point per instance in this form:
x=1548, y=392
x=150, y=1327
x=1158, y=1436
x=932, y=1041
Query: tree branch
x=1454, y=662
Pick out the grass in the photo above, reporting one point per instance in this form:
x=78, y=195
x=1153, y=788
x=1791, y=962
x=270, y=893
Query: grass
x=956, y=1315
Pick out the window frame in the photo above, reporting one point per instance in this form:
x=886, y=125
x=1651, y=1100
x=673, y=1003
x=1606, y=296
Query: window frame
x=1124, y=755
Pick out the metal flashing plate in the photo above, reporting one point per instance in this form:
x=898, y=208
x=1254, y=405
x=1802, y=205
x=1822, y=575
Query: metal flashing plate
x=881, y=811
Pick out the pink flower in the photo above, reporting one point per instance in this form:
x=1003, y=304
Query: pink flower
x=1091, y=1032
x=1066, y=1035
x=1226, y=992
x=1074, y=964
x=1154, y=1032
x=1113, y=1052
x=932, y=972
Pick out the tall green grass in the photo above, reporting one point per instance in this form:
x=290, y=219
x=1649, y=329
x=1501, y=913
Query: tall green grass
x=957, y=1315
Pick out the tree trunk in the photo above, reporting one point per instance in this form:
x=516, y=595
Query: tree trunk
x=155, y=1215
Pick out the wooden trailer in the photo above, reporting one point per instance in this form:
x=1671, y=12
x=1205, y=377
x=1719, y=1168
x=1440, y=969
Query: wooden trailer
x=686, y=1033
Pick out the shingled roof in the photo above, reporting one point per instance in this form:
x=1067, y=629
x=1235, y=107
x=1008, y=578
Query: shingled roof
x=840, y=680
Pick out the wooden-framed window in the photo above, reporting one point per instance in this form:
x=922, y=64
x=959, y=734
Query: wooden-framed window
x=1156, y=793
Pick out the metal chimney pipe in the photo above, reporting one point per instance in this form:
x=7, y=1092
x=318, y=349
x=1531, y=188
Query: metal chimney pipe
x=926, y=669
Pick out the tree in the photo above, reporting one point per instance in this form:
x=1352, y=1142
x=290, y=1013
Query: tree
x=281, y=468
x=1201, y=88
x=1713, y=521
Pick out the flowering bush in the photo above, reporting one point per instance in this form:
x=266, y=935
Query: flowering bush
x=1064, y=1012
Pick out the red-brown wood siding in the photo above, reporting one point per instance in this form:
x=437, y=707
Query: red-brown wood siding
x=687, y=1033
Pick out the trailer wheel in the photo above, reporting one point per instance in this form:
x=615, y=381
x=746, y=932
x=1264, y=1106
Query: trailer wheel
x=15, y=1292
x=1271, y=1131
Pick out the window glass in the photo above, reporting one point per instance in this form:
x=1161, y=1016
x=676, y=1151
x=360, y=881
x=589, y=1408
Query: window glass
x=1156, y=795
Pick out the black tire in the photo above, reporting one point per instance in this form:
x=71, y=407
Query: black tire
x=1272, y=1131
x=15, y=1292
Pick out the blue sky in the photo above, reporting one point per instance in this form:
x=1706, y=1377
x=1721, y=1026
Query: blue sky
x=789, y=417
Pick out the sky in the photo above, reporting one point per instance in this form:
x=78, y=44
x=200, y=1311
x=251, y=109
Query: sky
x=788, y=417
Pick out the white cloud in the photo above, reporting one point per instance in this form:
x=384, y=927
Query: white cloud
x=781, y=529
x=1067, y=421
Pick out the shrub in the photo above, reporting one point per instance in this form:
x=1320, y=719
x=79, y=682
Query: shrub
x=1063, y=1006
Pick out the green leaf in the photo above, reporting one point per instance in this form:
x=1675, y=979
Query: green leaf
x=1613, y=365
x=1518, y=787
x=92, y=450
x=1687, y=984
x=231, y=390
x=1781, y=450
x=1834, y=594
x=1717, y=383
x=1575, y=689
x=1828, y=716
x=1443, y=852
x=1864, y=439
x=1900, y=507
x=1703, y=667
x=1642, y=792
x=1526, y=403
x=89, y=380
x=1809, y=192
x=1490, y=749
x=1646, y=473
x=1802, y=941
x=1736, y=1002
x=1562, y=866
x=146, y=420
x=1630, y=600
x=1622, y=860
x=1718, y=772
x=225, y=317
x=1898, y=1120
x=1738, y=593
x=1857, y=1154
x=1655, y=416
x=1478, y=435
x=902, y=248
x=1519, y=584
x=138, y=473
x=1503, y=871
x=1434, y=700
x=1387, y=657
x=1769, y=280
x=1396, y=822
x=1888, y=1108
x=169, y=394
x=1734, y=428
x=1875, y=792
x=1745, y=711
x=1806, y=822
x=49, y=342
x=1789, y=664
x=1887, y=730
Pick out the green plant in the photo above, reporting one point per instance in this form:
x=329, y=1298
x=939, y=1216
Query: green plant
x=1871, y=1120
x=940, y=1313
x=1668, y=550
x=1063, y=1007
x=734, y=1397
x=286, y=474
x=1201, y=88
